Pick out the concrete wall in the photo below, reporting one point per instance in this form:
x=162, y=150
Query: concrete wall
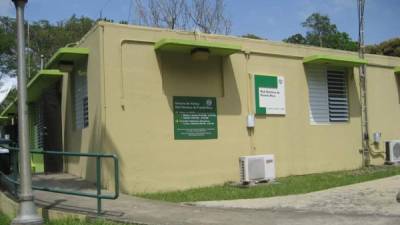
x=383, y=96
x=133, y=117
x=87, y=139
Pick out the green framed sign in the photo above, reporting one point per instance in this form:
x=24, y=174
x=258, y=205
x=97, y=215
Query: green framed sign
x=269, y=95
x=195, y=118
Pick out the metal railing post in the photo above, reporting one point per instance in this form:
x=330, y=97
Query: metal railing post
x=13, y=178
x=14, y=171
x=98, y=184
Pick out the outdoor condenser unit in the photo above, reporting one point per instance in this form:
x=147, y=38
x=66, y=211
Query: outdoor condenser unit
x=393, y=151
x=257, y=168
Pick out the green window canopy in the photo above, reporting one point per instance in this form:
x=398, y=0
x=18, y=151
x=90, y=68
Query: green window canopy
x=39, y=83
x=187, y=46
x=69, y=55
x=334, y=60
x=397, y=70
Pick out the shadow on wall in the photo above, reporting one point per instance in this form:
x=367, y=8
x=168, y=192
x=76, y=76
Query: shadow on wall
x=354, y=95
x=110, y=148
x=398, y=85
x=70, y=137
x=99, y=135
x=182, y=76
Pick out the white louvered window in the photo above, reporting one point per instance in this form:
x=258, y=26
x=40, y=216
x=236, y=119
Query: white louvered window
x=81, y=106
x=328, y=95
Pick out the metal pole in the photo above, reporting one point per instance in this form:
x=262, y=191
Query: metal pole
x=363, y=86
x=27, y=210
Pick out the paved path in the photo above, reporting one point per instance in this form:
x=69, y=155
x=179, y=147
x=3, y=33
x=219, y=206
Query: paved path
x=142, y=211
x=373, y=197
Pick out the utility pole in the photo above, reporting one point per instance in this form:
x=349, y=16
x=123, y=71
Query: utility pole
x=27, y=214
x=363, y=86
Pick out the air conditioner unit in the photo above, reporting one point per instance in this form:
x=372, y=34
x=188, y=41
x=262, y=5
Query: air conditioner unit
x=393, y=151
x=257, y=168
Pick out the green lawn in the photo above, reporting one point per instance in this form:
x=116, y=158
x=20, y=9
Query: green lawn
x=282, y=186
x=4, y=220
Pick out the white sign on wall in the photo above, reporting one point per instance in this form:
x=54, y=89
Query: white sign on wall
x=270, y=95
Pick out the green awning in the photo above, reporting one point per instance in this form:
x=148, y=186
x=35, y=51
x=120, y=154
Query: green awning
x=334, y=60
x=69, y=55
x=39, y=83
x=186, y=46
x=397, y=70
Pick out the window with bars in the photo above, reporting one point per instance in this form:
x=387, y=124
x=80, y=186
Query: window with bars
x=80, y=96
x=328, y=95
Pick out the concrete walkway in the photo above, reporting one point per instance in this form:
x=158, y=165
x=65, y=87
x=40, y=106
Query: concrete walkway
x=142, y=211
x=377, y=197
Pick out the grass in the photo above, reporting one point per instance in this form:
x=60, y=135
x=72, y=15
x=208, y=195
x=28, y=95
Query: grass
x=4, y=220
x=283, y=186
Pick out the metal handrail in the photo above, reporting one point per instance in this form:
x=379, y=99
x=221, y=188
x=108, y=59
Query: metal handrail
x=99, y=196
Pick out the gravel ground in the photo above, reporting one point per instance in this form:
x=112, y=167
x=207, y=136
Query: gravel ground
x=376, y=197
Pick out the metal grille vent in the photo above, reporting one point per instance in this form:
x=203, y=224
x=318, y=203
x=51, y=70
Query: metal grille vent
x=256, y=168
x=242, y=170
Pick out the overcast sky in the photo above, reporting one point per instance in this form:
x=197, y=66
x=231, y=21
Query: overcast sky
x=271, y=19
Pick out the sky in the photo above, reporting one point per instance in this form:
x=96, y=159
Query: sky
x=271, y=19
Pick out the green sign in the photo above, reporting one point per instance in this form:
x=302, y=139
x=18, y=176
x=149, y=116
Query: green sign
x=195, y=118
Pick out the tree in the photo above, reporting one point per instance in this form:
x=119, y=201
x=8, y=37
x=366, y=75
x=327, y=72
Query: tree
x=296, y=39
x=205, y=15
x=390, y=47
x=209, y=17
x=252, y=36
x=44, y=39
x=162, y=13
x=7, y=46
x=321, y=32
x=320, y=28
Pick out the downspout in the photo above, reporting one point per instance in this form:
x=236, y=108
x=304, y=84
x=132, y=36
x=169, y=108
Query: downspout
x=250, y=107
x=363, y=88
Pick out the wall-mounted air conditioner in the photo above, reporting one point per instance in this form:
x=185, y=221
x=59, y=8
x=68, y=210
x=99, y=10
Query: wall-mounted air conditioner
x=393, y=151
x=257, y=168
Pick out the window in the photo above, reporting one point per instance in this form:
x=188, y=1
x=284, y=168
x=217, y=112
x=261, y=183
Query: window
x=328, y=95
x=37, y=125
x=80, y=97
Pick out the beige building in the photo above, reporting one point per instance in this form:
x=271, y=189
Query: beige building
x=176, y=107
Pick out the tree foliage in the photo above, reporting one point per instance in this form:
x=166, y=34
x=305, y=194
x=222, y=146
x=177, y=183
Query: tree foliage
x=390, y=47
x=44, y=39
x=296, y=39
x=252, y=36
x=321, y=32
